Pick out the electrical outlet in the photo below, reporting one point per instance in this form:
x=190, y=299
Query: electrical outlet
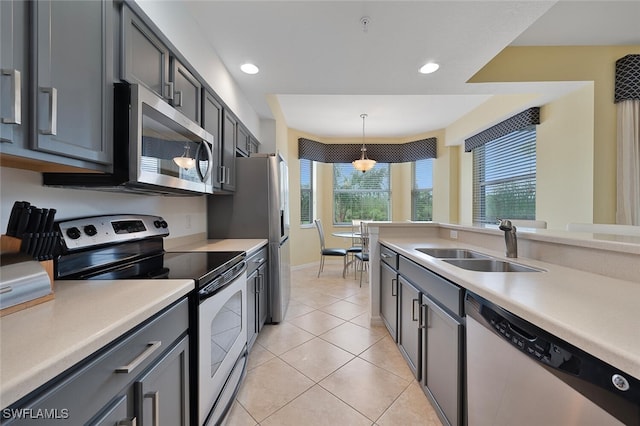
x=187, y=223
x=453, y=234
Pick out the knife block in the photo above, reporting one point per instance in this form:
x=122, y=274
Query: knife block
x=12, y=245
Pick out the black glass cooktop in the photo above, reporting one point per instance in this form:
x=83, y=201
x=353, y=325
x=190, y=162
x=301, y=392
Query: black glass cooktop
x=199, y=266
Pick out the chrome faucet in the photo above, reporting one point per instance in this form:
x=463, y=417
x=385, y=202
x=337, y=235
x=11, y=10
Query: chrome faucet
x=509, y=237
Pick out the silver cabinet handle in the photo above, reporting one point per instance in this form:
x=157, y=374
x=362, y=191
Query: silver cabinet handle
x=261, y=283
x=169, y=90
x=258, y=261
x=53, y=111
x=128, y=422
x=16, y=103
x=384, y=256
x=178, y=96
x=394, y=280
x=413, y=310
x=6, y=289
x=155, y=401
x=220, y=174
x=227, y=176
x=151, y=348
x=421, y=317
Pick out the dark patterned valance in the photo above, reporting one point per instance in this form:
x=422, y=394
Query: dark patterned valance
x=627, y=78
x=382, y=153
x=517, y=122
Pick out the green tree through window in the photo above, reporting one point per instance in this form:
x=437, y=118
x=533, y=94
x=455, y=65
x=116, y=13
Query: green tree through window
x=358, y=195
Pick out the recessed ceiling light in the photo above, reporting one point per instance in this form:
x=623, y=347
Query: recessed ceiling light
x=249, y=68
x=429, y=67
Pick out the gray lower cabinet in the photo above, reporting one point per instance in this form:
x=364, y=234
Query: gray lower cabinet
x=144, y=58
x=389, y=299
x=140, y=379
x=389, y=290
x=442, y=361
x=187, y=91
x=409, y=331
x=257, y=293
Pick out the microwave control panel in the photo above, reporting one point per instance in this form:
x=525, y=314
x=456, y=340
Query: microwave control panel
x=77, y=234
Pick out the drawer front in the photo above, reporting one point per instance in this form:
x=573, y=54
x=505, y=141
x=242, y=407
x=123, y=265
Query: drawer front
x=389, y=257
x=85, y=391
x=255, y=260
x=443, y=291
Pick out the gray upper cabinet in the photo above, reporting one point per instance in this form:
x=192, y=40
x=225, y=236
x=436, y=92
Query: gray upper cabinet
x=243, y=141
x=73, y=99
x=187, y=91
x=144, y=58
x=229, y=139
x=13, y=73
x=212, y=123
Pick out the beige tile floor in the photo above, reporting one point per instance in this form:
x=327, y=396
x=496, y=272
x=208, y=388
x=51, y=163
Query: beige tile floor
x=326, y=365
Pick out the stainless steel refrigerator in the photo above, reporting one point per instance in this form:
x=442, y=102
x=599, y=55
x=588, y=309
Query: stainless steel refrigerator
x=259, y=208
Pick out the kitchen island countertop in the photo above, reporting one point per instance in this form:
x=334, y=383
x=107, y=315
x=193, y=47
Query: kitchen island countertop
x=596, y=313
x=39, y=343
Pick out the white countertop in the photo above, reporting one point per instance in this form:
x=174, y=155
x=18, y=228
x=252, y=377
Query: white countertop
x=248, y=245
x=595, y=313
x=38, y=343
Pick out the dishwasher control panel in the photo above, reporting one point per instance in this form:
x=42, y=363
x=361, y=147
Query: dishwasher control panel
x=529, y=342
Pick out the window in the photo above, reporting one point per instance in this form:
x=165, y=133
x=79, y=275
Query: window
x=306, y=192
x=358, y=195
x=422, y=190
x=504, y=178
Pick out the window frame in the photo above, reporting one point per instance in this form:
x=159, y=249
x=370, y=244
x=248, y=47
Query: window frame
x=352, y=171
x=514, y=171
x=416, y=192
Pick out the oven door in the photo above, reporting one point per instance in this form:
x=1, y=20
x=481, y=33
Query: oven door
x=168, y=148
x=222, y=340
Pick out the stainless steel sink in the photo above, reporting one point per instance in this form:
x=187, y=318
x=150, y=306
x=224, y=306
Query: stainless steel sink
x=452, y=253
x=490, y=265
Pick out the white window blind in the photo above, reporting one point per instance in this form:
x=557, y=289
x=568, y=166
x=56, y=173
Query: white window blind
x=422, y=190
x=504, y=178
x=357, y=195
x=306, y=192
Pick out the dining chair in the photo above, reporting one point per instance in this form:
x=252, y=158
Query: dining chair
x=363, y=256
x=356, y=244
x=324, y=251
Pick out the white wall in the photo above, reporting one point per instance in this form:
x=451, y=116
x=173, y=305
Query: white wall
x=185, y=215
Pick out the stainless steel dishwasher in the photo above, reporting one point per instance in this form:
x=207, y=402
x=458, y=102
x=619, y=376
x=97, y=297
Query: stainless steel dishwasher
x=518, y=374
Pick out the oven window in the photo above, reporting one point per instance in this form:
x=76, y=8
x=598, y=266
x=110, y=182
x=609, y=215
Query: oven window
x=226, y=326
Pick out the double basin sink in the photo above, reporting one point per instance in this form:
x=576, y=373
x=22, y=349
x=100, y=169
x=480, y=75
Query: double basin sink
x=474, y=261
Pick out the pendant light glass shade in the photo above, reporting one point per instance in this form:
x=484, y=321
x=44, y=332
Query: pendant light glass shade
x=185, y=161
x=363, y=164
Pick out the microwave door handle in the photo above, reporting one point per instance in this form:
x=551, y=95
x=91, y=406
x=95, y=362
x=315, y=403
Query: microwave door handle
x=204, y=178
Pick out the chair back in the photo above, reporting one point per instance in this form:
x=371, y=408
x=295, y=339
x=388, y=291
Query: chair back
x=355, y=227
x=320, y=233
x=364, y=237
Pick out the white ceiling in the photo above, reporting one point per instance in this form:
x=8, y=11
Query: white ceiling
x=326, y=70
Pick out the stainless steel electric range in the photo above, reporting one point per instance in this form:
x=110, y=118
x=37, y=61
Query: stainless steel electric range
x=131, y=247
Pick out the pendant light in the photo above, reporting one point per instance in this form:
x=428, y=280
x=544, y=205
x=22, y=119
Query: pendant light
x=185, y=161
x=363, y=164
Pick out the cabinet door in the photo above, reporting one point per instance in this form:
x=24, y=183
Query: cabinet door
x=212, y=123
x=144, y=58
x=263, y=295
x=243, y=140
x=13, y=74
x=409, y=339
x=389, y=299
x=442, y=362
x=162, y=394
x=74, y=83
x=114, y=414
x=253, y=286
x=229, y=138
x=187, y=91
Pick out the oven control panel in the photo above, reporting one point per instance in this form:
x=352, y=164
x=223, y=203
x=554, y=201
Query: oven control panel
x=87, y=232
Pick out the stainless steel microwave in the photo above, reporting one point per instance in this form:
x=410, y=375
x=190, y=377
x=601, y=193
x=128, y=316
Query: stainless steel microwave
x=157, y=150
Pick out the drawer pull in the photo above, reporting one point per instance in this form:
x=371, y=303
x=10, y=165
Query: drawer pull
x=155, y=401
x=385, y=256
x=151, y=348
x=16, y=103
x=258, y=261
x=128, y=422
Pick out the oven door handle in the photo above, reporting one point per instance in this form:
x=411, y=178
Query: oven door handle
x=220, y=283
